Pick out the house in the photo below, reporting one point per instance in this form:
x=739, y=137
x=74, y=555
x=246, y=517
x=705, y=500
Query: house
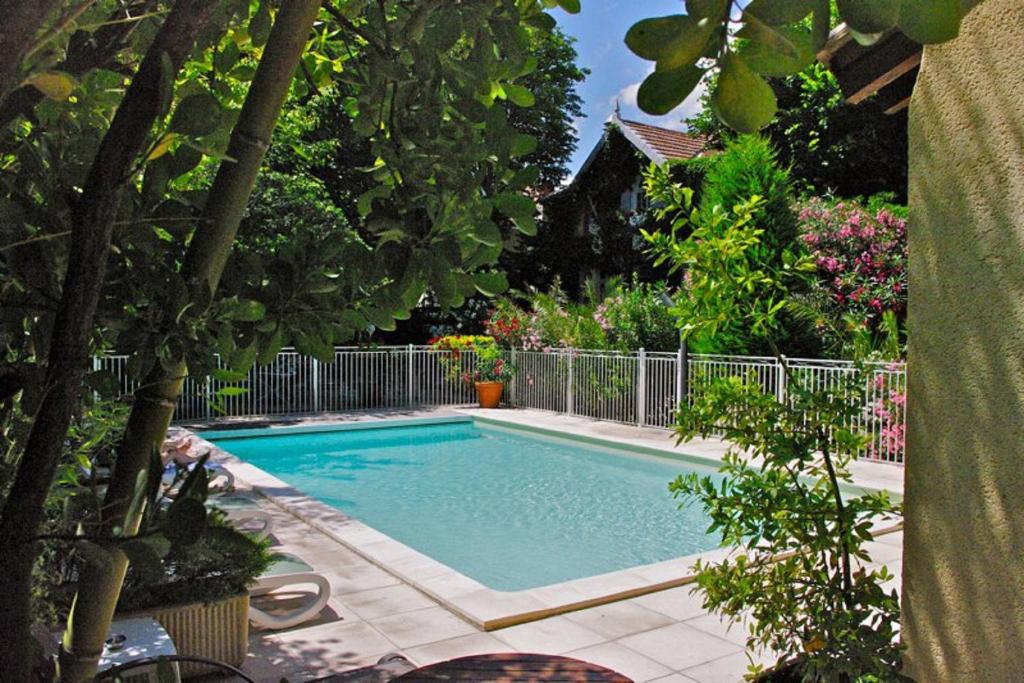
x=591, y=227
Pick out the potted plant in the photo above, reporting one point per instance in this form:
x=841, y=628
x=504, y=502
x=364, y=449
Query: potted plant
x=200, y=593
x=490, y=375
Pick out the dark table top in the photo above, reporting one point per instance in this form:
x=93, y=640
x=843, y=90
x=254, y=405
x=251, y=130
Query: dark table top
x=509, y=667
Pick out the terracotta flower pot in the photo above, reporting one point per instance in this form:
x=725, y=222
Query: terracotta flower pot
x=489, y=393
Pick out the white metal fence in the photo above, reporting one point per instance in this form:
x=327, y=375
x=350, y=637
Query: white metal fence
x=636, y=388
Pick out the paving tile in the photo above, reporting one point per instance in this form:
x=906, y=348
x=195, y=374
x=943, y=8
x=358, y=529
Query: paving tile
x=620, y=619
x=679, y=646
x=329, y=648
x=622, y=659
x=383, y=602
x=358, y=578
x=422, y=626
x=728, y=669
x=473, y=644
x=676, y=603
x=553, y=636
x=720, y=627
x=673, y=678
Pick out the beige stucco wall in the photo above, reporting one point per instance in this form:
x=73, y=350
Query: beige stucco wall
x=963, y=591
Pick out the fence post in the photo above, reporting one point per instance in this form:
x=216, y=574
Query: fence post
x=641, y=388
x=314, y=367
x=570, y=392
x=513, y=385
x=680, y=369
x=410, y=393
x=780, y=380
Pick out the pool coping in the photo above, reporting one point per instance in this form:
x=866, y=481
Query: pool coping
x=486, y=608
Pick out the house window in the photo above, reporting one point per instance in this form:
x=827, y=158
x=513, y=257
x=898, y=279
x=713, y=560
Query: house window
x=626, y=201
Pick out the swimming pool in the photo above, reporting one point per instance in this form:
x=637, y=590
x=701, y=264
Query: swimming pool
x=508, y=508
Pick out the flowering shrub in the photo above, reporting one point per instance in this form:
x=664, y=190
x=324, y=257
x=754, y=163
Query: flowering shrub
x=889, y=411
x=453, y=346
x=631, y=318
x=861, y=258
x=491, y=366
x=511, y=327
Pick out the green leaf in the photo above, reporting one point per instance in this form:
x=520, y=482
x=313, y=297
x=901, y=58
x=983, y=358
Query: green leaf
x=821, y=24
x=225, y=375
x=706, y=8
x=762, y=55
x=778, y=12
x=514, y=205
x=380, y=318
x=259, y=26
x=869, y=16
x=185, y=521
x=197, y=115
x=543, y=21
x=519, y=95
x=524, y=177
x=930, y=21
x=491, y=284
x=271, y=346
x=522, y=144
x=570, y=6
x=244, y=310
x=486, y=232
x=55, y=85
x=673, y=41
x=663, y=91
x=742, y=99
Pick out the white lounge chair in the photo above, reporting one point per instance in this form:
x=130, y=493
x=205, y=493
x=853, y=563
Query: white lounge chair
x=245, y=514
x=287, y=572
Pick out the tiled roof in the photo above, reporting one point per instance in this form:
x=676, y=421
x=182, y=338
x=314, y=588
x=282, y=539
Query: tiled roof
x=670, y=144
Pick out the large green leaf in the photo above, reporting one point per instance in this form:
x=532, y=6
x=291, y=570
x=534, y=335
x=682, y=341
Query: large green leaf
x=185, y=521
x=486, y=232
x=869, y=16
x=519, y=95
x=197, y=115
x=930, y=21
x=491, y=284
x=570, y=6
x=514, y=205
x=663, y=91
x=761, y=55
x=742, y=99
x=706, y=8
x=779, y=12
x=522, y=144
x=673, y=41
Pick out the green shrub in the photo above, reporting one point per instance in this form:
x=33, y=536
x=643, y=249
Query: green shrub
x=221, y=563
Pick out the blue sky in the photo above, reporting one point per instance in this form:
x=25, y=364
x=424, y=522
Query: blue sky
x=615, y=71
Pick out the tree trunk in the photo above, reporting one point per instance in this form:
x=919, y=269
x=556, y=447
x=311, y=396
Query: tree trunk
x=91, y=232
x=99, y=586
x=22, y=20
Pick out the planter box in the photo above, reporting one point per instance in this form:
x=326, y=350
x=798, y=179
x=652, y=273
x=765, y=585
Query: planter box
x=216, y=630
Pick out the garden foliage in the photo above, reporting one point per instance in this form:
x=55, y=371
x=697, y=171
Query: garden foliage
x=783, y=498
x=631, y=317
x=861, y=259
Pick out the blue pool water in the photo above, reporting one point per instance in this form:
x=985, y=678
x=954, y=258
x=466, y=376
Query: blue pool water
x=511, y=509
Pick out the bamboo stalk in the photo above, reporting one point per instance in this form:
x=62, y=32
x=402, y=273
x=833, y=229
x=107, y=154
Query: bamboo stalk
x=208, y=252
x=92, y=229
